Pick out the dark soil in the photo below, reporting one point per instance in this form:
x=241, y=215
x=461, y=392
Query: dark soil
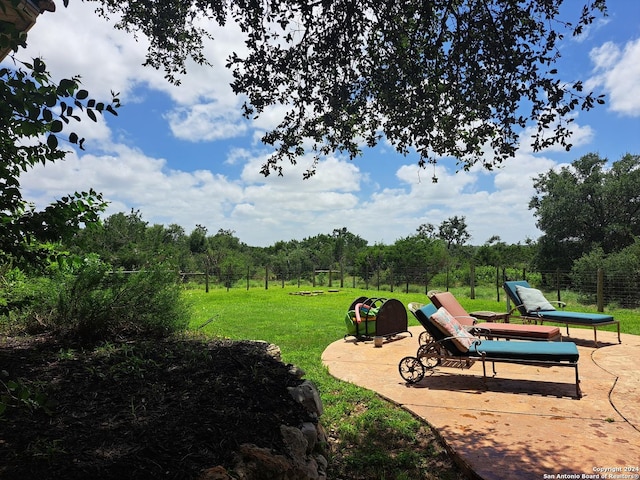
x=137, y=409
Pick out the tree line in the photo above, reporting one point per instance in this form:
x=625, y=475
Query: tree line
x=589, y=213
x=128, y=242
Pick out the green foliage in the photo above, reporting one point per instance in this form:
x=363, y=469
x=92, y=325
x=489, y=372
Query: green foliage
x=621, y=275
x=346, y=245
x=349, y=71
x=102, y=303
x=369, y=260
x=16, y=394
x=225, y=257
x=34, y=112
x=416, y=258
x=584, y=206
x=497, y=253
x=127, y=241
x=95, y=302
x=454, y=231
x=411, y=73
x=23, y=300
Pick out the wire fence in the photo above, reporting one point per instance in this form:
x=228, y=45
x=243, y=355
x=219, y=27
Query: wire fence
x=598, y=287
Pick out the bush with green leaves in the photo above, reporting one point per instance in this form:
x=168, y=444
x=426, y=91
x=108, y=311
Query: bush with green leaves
x=25, y=302
x=621, y=276
x=92, y=301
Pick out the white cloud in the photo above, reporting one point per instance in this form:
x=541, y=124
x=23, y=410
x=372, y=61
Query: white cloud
x=378, y=206
x=589, y=30
x=580, y=135
x=75, y=41
x=209, y=83
x=237, y=155
x=205, y=122
x=264, y=210
x=130, y=178
x=500, y=208
x=618, y=73
x=261, y=210
x=605, y=56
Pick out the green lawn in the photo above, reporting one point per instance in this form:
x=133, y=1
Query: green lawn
x=376, y=439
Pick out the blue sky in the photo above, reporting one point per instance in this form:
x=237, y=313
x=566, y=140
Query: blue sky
x=184, y=154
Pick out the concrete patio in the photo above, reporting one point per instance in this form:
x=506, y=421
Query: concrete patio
x=524, y=423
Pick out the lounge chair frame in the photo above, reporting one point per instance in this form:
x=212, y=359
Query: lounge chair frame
x=539, y=316
x=442, y=348
x=491, y=330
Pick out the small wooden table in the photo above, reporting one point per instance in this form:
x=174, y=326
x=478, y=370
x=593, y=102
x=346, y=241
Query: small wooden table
x=491, y=316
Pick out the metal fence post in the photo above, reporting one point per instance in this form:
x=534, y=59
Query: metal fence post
x=426, y=282
x=472, y=280
x=600, y=290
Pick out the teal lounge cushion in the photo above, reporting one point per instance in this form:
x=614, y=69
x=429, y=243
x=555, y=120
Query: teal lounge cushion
x=428, y=310
x=574, y=317
x=543, y=351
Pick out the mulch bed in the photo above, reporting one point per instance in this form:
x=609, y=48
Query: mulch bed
x=137, y=409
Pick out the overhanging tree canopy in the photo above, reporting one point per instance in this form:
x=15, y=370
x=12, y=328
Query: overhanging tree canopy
x=34, y=114
x=443, y=77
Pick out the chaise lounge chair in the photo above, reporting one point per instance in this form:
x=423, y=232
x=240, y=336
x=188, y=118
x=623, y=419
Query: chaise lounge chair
x=532, y=306
x=451, y=341
x=492, y=330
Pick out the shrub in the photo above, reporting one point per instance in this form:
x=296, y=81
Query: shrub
x=26, y=303
x=621, y=276
x=95, y=302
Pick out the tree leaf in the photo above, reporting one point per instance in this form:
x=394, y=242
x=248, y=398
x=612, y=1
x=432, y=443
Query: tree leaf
x=52, y=142
x=38, y=65
x=56, y=126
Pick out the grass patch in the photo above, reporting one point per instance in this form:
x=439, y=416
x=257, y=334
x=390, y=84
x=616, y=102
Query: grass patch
x=372, y=438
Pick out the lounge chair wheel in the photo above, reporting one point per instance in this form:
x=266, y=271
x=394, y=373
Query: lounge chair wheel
x=429, y=355
x=411, y=369
x=425, y=338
